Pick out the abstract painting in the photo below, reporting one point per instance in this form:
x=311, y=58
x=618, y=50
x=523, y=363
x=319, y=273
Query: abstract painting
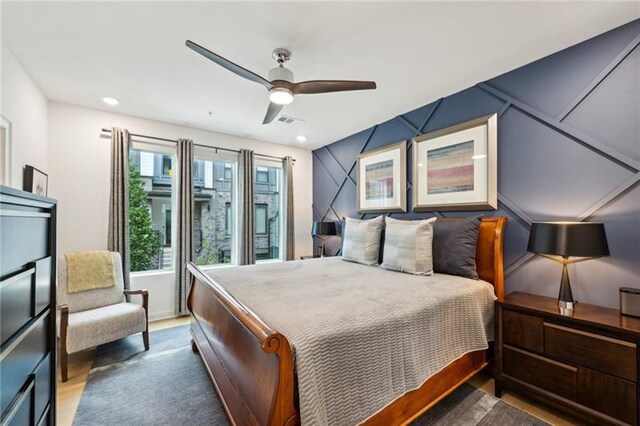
x=456, y=168
x=381, y=179
x=450, y=168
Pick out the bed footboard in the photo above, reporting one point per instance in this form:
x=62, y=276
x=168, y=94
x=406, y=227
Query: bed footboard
x=250, y=364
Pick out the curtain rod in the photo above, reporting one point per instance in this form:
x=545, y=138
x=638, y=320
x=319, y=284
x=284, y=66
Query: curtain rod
x=197, y=144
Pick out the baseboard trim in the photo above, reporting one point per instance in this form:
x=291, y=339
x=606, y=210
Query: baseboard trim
x=158, y=316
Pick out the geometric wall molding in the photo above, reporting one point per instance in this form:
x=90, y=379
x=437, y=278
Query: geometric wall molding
x=334, y=181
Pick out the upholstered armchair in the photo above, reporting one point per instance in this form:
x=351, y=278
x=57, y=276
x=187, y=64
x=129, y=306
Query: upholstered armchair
x=93, y=317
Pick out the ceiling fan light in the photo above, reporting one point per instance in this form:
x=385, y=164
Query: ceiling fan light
x=280, y=96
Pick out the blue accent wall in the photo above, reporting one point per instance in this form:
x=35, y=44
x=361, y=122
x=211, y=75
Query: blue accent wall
x=568, y=149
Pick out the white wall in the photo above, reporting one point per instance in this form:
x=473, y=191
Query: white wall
x=25, y=106
x=79, y=162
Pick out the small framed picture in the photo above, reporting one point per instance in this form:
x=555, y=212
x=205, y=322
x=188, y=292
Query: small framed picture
x=456, y=168
x=35, y=181
x=382, y=179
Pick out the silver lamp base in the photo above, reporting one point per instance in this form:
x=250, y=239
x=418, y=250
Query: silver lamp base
x=566, y=308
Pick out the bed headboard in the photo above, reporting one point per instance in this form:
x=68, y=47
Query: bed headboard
x=489, y=256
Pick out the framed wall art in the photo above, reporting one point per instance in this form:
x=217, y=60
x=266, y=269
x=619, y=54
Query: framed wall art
x=456, y=168
x=35, y=181
x=382, y=179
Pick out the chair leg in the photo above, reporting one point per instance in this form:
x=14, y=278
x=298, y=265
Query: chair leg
x=145, y=339
x=64, y=361
x=194, y=347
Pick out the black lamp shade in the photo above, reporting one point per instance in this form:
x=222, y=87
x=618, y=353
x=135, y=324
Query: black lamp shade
x=323, y=228
x=582, y=239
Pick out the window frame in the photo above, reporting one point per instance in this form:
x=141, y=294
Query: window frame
x=161, y=149
x=276, y=164
x=228, y=159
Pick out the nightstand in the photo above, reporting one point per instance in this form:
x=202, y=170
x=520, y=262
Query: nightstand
x=586, y=364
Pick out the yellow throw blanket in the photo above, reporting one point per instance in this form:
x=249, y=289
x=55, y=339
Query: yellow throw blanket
x=89, y=270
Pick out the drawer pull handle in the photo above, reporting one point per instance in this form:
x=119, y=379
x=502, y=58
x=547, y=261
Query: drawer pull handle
x=17, y=403
x=17, y=277
x=543, y=359
x=6, y=351
x=22, y=213
x=595, y=336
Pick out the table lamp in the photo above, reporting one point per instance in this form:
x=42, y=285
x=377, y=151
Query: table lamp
x=323, y=230
x=584, y=240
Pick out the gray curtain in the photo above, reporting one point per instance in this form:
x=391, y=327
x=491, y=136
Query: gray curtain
x=118, y=233
x=289, y=236
x=184, y=228
x=246, y=224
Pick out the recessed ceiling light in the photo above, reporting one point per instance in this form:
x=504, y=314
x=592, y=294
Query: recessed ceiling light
x=301, y=138
x=110, y=101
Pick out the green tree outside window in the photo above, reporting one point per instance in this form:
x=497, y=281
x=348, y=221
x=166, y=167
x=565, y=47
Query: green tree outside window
x=144, y=242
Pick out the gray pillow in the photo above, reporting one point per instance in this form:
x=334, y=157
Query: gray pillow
x=454, y=247
x=407, y=246
x=361, y=240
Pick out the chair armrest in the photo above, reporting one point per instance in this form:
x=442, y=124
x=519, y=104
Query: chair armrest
x=64, y=312
x=145, y=297
x=132, y=292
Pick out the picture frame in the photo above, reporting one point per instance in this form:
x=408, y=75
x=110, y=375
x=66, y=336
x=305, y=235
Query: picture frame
x=456, y=168
x=381, y=179
x=35, y=181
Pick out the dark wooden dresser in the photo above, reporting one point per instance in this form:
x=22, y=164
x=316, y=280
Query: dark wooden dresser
x=27, y=308
x=586, y=364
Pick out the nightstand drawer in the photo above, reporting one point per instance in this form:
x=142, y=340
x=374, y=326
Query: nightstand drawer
x=612, y=356
x=544, y=373
x=522, y=330
x=607, y=394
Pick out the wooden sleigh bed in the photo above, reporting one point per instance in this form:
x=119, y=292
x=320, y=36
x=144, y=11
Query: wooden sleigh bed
x=251, y=364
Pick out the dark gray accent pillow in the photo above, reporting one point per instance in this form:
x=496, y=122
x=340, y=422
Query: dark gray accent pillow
x=454, y=247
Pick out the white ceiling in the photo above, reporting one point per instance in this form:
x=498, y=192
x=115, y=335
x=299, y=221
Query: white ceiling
x=417, y=52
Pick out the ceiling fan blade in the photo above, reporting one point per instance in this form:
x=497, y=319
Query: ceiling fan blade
x=272, y=112
x=327, y=86
x=234, y=68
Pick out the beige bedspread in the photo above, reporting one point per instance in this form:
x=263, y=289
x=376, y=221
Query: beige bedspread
x=362, y=336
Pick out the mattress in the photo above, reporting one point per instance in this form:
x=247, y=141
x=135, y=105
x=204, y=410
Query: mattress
x=362, y=336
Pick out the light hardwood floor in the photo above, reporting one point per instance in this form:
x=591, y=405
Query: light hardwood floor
x=69, y=393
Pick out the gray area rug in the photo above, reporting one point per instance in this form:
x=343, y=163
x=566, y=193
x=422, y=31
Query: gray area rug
x=168, y=385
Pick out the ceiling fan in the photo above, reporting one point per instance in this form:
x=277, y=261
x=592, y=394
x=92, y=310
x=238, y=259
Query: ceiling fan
x=280, y=84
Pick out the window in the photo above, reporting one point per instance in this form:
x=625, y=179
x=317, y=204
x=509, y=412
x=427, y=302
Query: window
x=166, y=165
x=150, y=211
x=228, y=219
x=261, y=219
x=146, y=163
x=208, y=174
x=262, y=174
x=214, y=211
x=267, y=201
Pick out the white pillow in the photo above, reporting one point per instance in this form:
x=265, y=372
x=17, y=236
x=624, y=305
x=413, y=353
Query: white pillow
x=361, y=240
x=408, y=246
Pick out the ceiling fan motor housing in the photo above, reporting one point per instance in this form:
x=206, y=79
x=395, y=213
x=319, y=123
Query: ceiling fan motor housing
x=281, y=73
